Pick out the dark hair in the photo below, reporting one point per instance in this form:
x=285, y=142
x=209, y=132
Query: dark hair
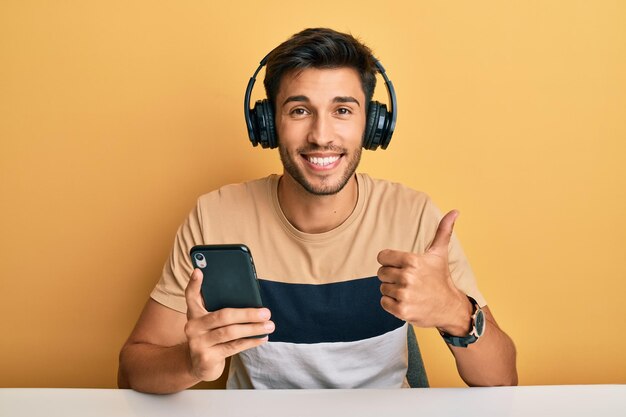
x=320, y=48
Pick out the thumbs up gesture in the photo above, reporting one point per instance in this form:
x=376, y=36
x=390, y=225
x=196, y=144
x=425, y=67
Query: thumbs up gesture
x=419, y=288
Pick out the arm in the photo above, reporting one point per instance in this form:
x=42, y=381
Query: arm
x=169, y=351
x=156, y=357
x=490, y=361
x=419, y=289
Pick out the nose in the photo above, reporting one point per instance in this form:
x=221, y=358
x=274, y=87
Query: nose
x=321, y=132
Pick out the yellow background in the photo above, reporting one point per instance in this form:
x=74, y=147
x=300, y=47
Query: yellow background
x=116, y=115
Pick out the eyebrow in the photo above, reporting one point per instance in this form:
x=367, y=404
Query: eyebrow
x=338, y=99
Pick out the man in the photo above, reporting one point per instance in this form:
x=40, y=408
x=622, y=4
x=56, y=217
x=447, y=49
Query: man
x=345, y=262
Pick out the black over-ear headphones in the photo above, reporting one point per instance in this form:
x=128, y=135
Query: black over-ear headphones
x=379, y=125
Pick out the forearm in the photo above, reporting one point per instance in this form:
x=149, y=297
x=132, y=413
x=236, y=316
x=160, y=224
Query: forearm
x=155, y=369
x=490, y=361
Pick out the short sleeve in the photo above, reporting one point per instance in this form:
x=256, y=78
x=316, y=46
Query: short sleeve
x=170, y=290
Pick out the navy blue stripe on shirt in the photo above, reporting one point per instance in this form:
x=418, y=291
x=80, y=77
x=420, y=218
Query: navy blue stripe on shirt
x=338, y=312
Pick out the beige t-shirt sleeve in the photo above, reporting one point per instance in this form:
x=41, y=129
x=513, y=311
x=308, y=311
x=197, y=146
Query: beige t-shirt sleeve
x=170, y=290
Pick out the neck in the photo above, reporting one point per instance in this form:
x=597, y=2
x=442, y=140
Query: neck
x=312, y=213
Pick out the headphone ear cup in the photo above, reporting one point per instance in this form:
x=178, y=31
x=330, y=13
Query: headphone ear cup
x=253, y=126
x=371, y=126
x=384, y=120
x=272, y=141
x=378, y=131
x=263, y=124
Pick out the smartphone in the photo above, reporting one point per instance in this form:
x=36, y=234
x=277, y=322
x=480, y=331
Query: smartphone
x=229, y=276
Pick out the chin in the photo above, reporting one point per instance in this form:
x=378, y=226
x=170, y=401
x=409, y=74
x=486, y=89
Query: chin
x=328, y=186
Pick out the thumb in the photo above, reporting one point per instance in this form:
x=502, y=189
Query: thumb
x=444, y=231
x=193, y=298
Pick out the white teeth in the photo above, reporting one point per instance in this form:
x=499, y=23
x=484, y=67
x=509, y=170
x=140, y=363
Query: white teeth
x=322, y=161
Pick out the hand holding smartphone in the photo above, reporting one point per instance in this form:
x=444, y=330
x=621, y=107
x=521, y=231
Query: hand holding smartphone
x=228, y=281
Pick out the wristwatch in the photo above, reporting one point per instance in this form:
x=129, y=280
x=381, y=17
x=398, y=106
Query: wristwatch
x=478, y=328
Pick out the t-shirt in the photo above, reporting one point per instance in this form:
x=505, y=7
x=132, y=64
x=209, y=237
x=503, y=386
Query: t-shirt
x=322, y=289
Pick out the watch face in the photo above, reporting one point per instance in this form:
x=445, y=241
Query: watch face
x=480, y=323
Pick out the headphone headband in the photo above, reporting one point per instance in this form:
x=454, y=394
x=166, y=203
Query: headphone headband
x=393, y=101
x=246, y=101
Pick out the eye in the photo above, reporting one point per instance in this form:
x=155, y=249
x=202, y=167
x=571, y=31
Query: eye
x=343, y=111
x=298, y=112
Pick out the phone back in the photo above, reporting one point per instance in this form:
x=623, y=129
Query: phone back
x=229, y=276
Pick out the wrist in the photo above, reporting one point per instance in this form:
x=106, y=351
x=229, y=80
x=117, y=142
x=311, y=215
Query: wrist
x=477, y=328
x=189, y=362
x=460, y=318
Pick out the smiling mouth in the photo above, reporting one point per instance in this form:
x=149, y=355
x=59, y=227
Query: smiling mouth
x=322, y=161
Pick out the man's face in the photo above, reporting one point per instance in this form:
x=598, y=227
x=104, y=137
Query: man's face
x=320, y=120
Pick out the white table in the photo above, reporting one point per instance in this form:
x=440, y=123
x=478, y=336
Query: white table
x=575, y=400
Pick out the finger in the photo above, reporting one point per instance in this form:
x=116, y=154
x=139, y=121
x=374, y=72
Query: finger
x=389, y=305
x=230, y=316
x=444, y=231
x=390, y=290
x=396, y=292
x=390, y=257
x=393, y=275
x=237, y=331
x=386, y=274
x=193, y=297
x=239, y=345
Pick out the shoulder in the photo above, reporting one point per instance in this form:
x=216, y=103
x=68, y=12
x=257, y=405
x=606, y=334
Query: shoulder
x=387, y=192
x=236, y=200
x=238, y=193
